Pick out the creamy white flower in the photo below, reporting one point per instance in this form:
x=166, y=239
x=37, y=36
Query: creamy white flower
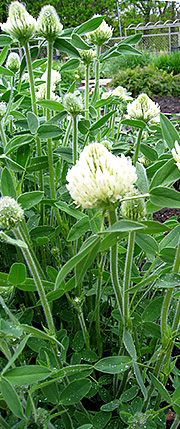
x=143, y=108
x=73, y=104
x=176, y=154
x=41, y=93
x=11, y=213
x=3, y=108
x=99, y=178
x=25, y=77
x=20, y=24
x=101, y=35
x=106, y=94
x=55, y=78
x=13, y=62
x=121, y=93
x=48, y=23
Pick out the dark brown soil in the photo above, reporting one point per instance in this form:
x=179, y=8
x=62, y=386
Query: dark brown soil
x=168, y=104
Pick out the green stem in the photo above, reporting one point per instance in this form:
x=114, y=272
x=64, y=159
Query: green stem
x=78, y=308
x=8, y=312
x=10, y=99
x=137, y=146
x=176, y=422
x=151, y=388
x=97, y=77
x=127, y=276
x=32, y=267
x=48, y=115
x=114, y=263
x=3, y=136
x=75, y=141
x=67, y=133
x=87, y=68
x=97, y=307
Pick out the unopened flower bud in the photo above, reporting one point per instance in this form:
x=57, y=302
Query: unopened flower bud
x=20, y=24
x=176, y=154
x=73, y=104
x=48, y=23
x=13, y=62
x=11, y=213
x=133, y=209
x=101, y=35
x=87, y=56
x=121, y=93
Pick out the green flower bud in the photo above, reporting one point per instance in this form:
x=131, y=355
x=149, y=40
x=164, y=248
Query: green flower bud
x=2, y=109
x=73, y=104
x=87, y=56
x=11, y=213
x=48, y=23
x=13, y=62
x=133, y=209
x=101, y=35
x=20, y=24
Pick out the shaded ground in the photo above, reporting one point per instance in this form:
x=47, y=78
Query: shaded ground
x=168, y=104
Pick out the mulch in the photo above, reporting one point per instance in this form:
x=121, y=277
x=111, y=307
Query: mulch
x=168, y=104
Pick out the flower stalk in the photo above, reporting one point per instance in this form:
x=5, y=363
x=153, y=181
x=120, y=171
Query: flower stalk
x=114, y=264
x=126, y=280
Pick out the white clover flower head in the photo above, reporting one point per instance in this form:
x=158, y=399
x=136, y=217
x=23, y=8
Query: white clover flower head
x=143, y=108
x=106, y=94
x=41, y=93
x=101, y=35
x=11, y=213
x=13, y=62
x=87, y=56
x=176, y=154
x=48, y=23
x=133, y=209
x=20, y=24
x=25, y=77
x=73, y=104
x=55, y=78
x=121, y=92
x=99, y=179
x=3, y=108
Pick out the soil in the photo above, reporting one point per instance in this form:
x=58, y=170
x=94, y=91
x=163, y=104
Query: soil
x=169, y=105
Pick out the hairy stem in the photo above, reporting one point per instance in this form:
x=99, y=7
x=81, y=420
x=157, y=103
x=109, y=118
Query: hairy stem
x=114, y=263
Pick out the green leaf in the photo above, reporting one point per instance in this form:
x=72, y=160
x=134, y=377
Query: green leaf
x=165, y=197
x=65, y=46
x=70, y=65
x=78, y=229
x=127, y=49
x=11, y=398
x=52, y=105
x=9, y=240
x=132, y=40
x=3, y=54
x=129, y=394
x=7, y=184
x=140, y=380
x=12, y=164
x=86, y=262
x=142, y=180
x=39, y=334
x=170, y=134
x=161, y=389
x=102, y=121
x=18, y=141
x=153, y=227
x=30, y=199
x=89, y=25
x=79, y=43
x=153, y=310
x=6, y=72
x=110, y=239
x=71, y=370
x=88, y=246
x=166, y=175
x=168, y=280
x=111, y=406
x=168, y=255
x=147, y=243
x=18, y=351
x=122, y=226
x=101, y=419
x=38, y=163
x=171, y=239
x=78, y=341
x=136, y=123
x=149, y=152
x=83, y=126
x=23, y=375
x=75, y=391
x=176, y=396
x=17, y=274
x=69, y=210
x=128, y=342
x=32, y=122
x=153, y=329
x=48, y=131
x=113, y=364
x=5, y=40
